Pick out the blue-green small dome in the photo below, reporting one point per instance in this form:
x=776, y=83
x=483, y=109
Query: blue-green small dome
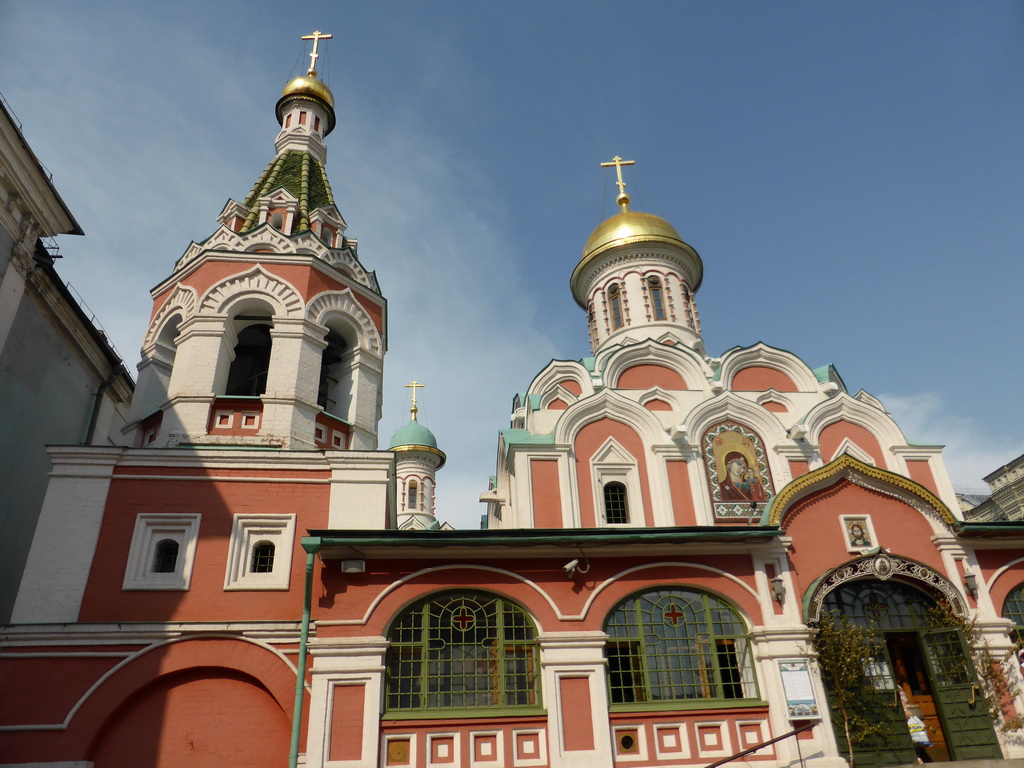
x=413, y=433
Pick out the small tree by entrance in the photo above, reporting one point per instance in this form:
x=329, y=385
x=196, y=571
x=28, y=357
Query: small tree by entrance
x=846, y=655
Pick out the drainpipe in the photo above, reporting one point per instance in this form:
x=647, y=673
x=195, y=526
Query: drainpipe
x=300, y=680
x=98, y=403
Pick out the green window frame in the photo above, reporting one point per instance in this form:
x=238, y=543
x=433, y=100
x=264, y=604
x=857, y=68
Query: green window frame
x=668, y=646
x=1013, y=609
x=462, y=652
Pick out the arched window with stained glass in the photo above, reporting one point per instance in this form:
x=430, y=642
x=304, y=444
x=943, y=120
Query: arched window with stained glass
x=1013, y=609
x=673, y=645
x=462, y=651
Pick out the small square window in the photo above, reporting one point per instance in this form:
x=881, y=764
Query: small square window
x=321, y=435
x=162, y=551
x=337, y=439
x=251, y=420
x=224, y=419
x=260, y=552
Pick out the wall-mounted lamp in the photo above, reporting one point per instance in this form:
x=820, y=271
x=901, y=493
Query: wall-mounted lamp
x=353, y=566
x=778, y=589
x=971, y=584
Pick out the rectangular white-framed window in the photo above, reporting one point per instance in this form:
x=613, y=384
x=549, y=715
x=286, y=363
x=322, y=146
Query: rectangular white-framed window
x=224, y=419
x=162, y=551
x=616, y=487
x=260, y=552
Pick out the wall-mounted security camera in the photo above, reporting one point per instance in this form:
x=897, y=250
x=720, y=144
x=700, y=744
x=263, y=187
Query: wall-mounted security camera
x=570, y=568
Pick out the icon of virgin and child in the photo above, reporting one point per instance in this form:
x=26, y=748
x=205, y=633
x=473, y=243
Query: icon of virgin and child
x=741, y=483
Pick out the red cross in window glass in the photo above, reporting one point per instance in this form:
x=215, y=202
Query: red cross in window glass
x=463, y=618
x=673, y=614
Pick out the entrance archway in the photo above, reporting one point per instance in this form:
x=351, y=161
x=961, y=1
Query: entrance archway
x=925, y=662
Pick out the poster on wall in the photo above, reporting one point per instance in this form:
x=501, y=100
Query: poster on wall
x=801, y=703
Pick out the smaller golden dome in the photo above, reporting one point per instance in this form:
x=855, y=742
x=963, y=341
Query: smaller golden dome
x=308, y=86
x=629, y=227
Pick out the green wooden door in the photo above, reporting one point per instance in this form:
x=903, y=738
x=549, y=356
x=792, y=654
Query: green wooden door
x=964, y=712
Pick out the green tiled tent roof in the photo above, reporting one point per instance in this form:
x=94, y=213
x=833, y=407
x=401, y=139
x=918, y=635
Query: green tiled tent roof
x=298, y=173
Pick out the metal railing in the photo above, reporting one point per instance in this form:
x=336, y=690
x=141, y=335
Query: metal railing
x=763, y=744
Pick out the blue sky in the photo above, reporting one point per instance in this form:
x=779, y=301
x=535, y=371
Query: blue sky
x=852, y=175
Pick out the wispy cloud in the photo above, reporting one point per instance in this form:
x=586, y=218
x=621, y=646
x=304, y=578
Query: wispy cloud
x=971, y=451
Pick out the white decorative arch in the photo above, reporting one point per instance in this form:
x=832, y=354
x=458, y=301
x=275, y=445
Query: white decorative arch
x=398, y=583
x=850, y=448
x=884, y=566
x=609, y=404
x=558, y=371
x=182, y=301
x=729, y=405
x=760, y=354
x=254, y=283
x=670, y=563
x=1000, y=571
x=63, y=726
x=842, y=407
x=265, y=237
x=774, y=396
x=344, y=305
x=657, y=393
x=613, y=362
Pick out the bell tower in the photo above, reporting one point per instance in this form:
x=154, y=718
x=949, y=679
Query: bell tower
x=270, y=332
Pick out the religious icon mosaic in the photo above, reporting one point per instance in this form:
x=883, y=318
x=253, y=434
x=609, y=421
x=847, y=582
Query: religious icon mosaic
x=858, y=533
x=738, y=474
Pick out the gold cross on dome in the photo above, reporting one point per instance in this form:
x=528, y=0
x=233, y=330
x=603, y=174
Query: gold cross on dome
x=618, y=162
x=316, y=37
x=414, y=386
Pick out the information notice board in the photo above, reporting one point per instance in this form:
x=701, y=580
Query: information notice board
x=801, y=703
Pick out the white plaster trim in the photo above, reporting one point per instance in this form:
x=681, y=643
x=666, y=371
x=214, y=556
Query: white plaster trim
x=247, y=530
x=558, y=371
x=657, y=393
x=735, y=408
x=342, y=304
x=761, y=355
x=611, y=405
x=436, y=569
x=676, y=564
x=852, y=449
x=120, y=665
x=456, y=759
x=150, y=529
x=613, y=362
x=842, y=407
x=255, y=282
x=184, y=299
x=613, y=463
x=1000, y=571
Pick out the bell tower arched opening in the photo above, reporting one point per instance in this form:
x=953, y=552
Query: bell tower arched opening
x=334, y=391
x=247, y=374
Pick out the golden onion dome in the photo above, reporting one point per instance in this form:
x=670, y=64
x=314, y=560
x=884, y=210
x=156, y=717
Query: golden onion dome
x=627, y=228
x=308, y=86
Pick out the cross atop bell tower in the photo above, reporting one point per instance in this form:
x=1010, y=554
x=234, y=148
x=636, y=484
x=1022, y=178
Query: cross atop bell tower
x=316, y=37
